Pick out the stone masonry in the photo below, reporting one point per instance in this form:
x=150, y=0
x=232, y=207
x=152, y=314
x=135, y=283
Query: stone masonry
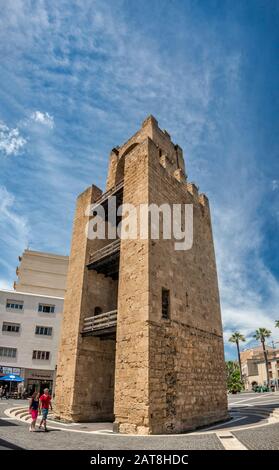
x=147, y=373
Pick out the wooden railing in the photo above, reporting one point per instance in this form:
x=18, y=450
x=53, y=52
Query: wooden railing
x=100, y=322
x=105, y=251
x=109, y=193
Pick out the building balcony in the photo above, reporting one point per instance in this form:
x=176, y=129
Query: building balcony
x=106, y=260
x=103, y=324
x=116, y=191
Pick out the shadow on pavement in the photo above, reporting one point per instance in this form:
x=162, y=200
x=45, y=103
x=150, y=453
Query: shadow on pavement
x=3, y=422
x=41, y=431
x=8, y=445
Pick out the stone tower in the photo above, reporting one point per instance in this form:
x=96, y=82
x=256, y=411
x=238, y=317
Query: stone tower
x=142, y=340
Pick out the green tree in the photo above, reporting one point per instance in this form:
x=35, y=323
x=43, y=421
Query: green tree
x=276, y=323
x=260, y=335
x=236, y=337
x=234, y=382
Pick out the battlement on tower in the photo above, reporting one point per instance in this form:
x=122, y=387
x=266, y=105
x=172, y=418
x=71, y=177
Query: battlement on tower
x=170, y=155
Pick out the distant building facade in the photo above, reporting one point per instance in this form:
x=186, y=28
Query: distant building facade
x=42, y=273
x=254, y=368
x=30, y=321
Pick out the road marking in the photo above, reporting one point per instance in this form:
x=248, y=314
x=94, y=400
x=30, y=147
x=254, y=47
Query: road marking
x=265, y=401
x=249, y=399
x=103, y=431
x=229, y=441
x=8, y=419
x=227, y=423
x=266, y=405
x=63, y=424
x=243, y=405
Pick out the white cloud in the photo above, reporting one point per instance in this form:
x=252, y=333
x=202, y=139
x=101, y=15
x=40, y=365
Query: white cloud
x=43, y=118
x=249, y=291
x=14, y=229
x=275, y=185
x=11, y=142
x=4, y=284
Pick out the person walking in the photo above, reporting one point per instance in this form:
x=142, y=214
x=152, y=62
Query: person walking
x=45, y=404
x=5, y=392
x=34, y=409
x=1, y=392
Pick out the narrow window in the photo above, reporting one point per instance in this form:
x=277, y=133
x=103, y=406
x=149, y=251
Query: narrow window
x=165, y=303
x=187, y=300
x=98, y=311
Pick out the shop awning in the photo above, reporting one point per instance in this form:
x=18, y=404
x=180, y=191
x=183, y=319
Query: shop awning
x=12, y=378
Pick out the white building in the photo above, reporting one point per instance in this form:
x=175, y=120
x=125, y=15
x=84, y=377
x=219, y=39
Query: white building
x=30, y=321
x=42, y=273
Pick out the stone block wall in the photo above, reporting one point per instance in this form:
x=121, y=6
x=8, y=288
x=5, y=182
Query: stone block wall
x=170, y=374
x=131, y=403
x=85, y=373
x=186, y=357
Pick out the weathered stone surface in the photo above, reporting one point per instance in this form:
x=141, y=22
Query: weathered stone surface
x=160, y=375
x=85, y=373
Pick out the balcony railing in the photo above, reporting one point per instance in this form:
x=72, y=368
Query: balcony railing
x=105, y=252
x=100, y=324
x=111, y=192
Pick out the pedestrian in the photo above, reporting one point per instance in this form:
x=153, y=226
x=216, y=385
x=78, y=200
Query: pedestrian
x=1, y=392
x=19, y=390
x=34, y=409
x=5, y=392
x=45, y=404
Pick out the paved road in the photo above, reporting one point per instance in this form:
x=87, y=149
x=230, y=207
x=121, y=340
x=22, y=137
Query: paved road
x=244, y=407
x=262, y=438
x=252, y=399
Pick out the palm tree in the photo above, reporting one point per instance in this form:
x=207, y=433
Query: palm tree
x=235, y=338
x=260, y=335
x=276, y=323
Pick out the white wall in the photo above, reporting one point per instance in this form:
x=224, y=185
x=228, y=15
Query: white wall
x=42, y=273
x=26, y=340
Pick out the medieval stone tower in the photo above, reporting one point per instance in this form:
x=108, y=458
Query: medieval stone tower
x=142, y=341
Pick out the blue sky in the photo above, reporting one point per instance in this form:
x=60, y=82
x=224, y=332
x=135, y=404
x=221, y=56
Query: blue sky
x=78, y=77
